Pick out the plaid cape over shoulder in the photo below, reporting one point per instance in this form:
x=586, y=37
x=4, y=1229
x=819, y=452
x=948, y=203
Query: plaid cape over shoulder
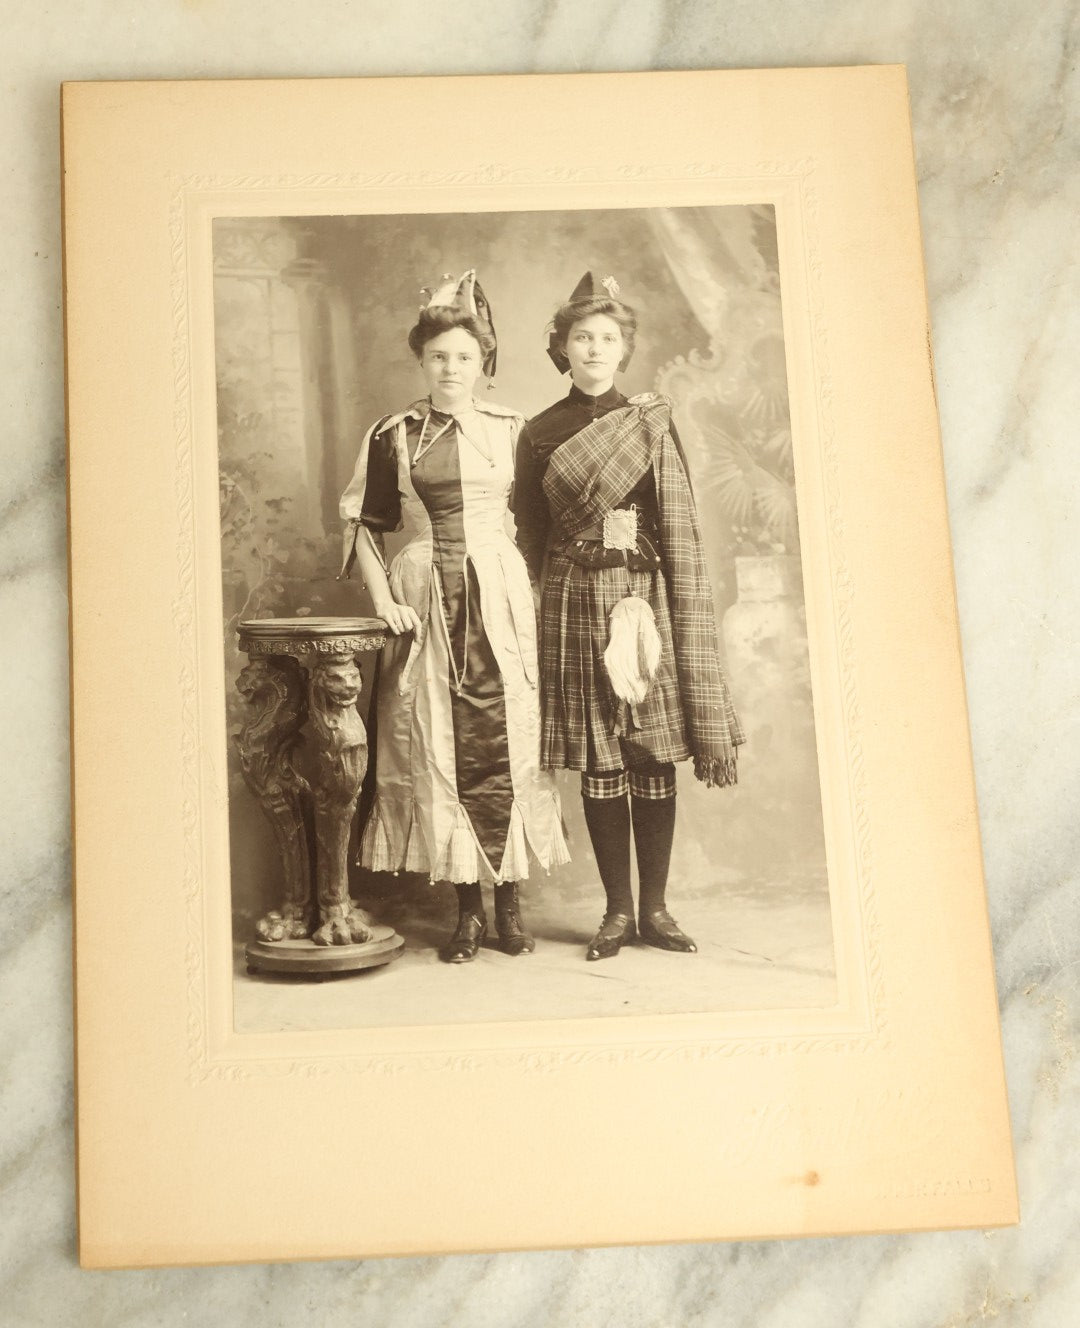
x=590, y=474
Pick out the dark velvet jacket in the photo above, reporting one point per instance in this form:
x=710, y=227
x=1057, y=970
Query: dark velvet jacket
x=539, y=439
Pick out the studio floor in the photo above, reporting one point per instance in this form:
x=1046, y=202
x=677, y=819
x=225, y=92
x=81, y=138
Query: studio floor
x=762, y=944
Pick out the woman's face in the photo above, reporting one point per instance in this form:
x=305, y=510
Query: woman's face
x=451, y=364
x=594, y=347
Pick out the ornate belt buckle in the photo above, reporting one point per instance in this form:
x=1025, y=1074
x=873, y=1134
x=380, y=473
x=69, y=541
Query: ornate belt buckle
x=620, y=528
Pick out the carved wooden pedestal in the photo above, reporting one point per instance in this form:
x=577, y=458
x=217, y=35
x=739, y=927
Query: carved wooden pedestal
x=303, y=672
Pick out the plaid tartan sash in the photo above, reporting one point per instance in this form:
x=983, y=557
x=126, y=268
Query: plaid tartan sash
x=591, y=473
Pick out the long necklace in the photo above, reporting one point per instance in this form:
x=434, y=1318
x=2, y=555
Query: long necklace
x=425, y=444
x=420, y=448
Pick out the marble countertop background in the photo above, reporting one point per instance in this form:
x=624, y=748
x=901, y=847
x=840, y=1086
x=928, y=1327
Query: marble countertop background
x=994, y=96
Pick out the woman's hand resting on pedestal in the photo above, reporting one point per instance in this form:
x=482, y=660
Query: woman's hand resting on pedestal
x=398, y=617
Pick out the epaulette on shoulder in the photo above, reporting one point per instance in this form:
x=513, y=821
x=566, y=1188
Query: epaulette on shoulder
x=413, y=412
x=649, y=399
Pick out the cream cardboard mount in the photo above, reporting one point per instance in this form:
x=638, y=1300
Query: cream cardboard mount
x=883, y=1111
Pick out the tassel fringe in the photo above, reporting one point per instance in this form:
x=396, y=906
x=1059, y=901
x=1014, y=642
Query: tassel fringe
x=716, y=771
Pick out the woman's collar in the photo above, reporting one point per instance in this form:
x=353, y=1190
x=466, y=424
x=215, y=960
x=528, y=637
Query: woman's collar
x=605, y=401
x=436, y=412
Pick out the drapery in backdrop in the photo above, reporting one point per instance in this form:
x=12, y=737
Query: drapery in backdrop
x=311, y=320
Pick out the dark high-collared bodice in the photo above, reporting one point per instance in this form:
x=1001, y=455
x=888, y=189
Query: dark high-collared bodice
x=539, y=440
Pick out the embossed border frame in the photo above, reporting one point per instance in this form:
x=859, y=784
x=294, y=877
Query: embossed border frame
x=887, y=1112
x=857, y=1020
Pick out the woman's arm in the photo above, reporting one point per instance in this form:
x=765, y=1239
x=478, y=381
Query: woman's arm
x=371, y=505
x=398, y=617
x=532, y=517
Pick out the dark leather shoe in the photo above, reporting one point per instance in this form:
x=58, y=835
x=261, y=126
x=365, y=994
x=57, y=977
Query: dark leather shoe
x=462, y=947
x=660, y=929
x=616, y=930
x=514, y=937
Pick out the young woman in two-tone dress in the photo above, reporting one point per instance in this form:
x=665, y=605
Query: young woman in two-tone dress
x=459, y=792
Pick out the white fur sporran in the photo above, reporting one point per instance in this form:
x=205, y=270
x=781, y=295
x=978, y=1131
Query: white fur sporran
x=633, y=652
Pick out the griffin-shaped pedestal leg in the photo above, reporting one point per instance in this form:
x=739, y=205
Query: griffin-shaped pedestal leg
x=274, y=689
x=340, y=760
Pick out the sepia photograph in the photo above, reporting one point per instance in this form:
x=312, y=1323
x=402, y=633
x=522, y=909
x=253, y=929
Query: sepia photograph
x=518, y=691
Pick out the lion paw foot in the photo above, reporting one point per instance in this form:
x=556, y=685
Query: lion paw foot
x=352, y=929
x=361, y=925
x=281, y=927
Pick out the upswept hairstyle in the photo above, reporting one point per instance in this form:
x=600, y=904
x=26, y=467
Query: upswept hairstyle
x=434, y=322
x=575, y=310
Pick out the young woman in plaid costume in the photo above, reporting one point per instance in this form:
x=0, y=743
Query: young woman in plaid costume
x=607, y=523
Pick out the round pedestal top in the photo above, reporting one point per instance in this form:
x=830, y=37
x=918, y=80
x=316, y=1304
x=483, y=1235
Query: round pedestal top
x=311, y=638
x=312, y=627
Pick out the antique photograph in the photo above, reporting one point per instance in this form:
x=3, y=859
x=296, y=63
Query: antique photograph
x=518, y=690
x=532, y=698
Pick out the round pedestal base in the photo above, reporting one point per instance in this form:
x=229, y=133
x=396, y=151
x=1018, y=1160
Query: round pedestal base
x=306, y=959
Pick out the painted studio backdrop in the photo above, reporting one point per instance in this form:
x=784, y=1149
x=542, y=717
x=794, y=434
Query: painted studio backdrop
x=311, y=318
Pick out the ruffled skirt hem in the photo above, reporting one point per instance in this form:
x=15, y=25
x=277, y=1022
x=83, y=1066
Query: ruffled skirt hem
x=460, y=859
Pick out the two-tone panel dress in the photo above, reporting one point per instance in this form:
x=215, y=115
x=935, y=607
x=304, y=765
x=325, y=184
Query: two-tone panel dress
x=459, y=792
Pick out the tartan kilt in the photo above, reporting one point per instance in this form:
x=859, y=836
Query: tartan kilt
x=580, y=713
